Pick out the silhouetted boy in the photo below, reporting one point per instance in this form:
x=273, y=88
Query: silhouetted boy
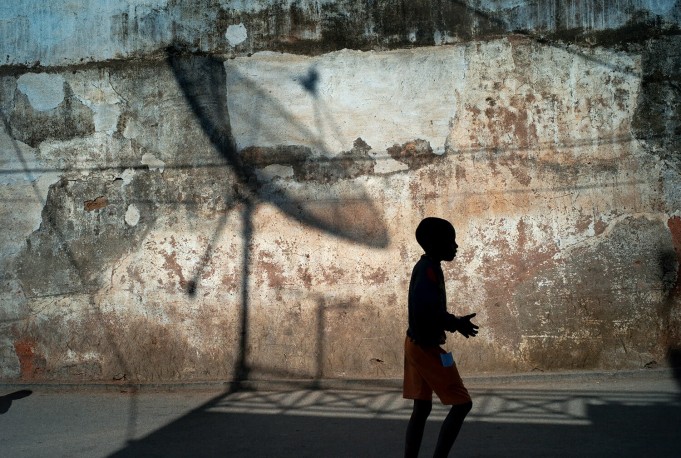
x=427, y=367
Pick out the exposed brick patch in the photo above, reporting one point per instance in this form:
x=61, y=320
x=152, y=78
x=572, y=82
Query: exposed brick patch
x=30, y=363
x=95, y=204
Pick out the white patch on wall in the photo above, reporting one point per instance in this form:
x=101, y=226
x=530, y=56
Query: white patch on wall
x=236, y=34
x=443, y=38
x=127, y=176
x=275, y=170
x=133, y=129
x=132, y=216
x=437, y=38
x=412, y=36
x=100, y=96
x=153, y=162
x=106, y=118
x=74, y=357
x=327, y=102
x=45, y=91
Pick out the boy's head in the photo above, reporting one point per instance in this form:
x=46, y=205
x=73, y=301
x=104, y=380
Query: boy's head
x=437, y=238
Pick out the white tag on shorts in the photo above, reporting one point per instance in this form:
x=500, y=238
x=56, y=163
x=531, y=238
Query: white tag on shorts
x=447, y=359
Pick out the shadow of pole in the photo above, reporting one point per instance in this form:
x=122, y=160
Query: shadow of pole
x=321, y=325
x=242, y=369
x=324, y=306
x=203, y=81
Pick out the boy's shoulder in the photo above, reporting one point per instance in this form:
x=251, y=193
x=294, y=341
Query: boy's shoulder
x=427, y=268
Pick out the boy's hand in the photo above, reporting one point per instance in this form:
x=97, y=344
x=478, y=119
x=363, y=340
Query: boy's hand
x=466, y=328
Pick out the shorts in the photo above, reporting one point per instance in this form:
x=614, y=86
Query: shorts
x=424, y=373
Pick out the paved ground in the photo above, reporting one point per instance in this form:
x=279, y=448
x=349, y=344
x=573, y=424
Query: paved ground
x=599, y=415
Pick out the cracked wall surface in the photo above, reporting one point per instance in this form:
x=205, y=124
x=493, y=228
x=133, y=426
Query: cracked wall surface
x=232, y=192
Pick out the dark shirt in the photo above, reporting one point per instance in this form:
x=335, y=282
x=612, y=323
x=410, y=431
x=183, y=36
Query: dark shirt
x=428, y=316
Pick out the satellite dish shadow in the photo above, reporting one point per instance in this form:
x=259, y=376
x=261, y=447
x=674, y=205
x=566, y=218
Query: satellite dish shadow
x=204, y=84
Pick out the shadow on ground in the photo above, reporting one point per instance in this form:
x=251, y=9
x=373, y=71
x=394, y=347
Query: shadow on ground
x=503, y=423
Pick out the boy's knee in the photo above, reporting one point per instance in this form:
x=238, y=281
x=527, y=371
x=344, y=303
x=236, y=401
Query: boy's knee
x=467, y=407
x=422, y=408
x=463, y=409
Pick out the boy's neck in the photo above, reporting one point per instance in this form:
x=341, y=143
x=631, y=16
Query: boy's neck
x=432, y=258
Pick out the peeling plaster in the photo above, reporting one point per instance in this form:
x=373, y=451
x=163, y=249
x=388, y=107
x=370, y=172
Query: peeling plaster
x=153, y=162
x=417, y=93
x=45, y=91
x=17, y=160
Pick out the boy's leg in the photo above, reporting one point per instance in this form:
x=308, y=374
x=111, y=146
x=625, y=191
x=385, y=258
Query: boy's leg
x=417, y=424
x=416, y=388
x=450, y=429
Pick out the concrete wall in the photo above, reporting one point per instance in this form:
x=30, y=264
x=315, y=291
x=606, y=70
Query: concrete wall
x=230, y=189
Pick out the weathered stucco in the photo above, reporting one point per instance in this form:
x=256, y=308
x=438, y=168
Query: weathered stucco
x=239, y=212
x=65, y=33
